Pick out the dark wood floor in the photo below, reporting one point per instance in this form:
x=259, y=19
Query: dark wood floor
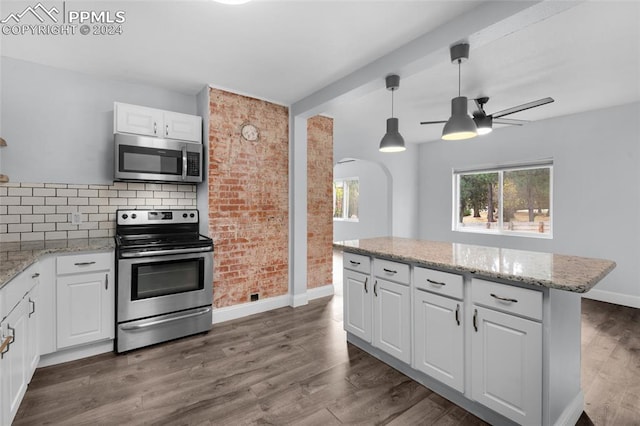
x=292, y=366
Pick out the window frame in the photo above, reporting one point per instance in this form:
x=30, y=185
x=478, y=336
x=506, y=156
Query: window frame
x=345, y=199
x=500, y=170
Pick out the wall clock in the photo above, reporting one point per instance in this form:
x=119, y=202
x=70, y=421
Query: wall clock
x=249, y=132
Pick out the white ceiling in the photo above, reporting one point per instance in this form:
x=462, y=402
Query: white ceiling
x=586, y=57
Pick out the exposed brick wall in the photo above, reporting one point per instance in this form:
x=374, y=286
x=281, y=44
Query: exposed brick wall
x=319, y=201
x=248, y=198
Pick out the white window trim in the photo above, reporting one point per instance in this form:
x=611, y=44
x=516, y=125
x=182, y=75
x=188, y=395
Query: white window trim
x=345, y=200
x=500, y=169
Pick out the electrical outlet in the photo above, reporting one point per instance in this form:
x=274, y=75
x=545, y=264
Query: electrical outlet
x=76, y=218
x=254, y=297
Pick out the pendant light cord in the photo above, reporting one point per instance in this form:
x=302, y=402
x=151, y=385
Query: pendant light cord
x=459, y=71
x=392, y=90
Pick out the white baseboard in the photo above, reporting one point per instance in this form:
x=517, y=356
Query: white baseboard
x=611, y=297
x=229, y=313
x=318, y=292
x=73, y=354
x=572, y=412
x=299, y=300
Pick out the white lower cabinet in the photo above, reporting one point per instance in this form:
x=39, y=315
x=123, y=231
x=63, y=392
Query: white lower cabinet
x=481, y=339
x=19, y=339
x=392, y=316
x=357, y=304
x=85, y=299
x=439, y=338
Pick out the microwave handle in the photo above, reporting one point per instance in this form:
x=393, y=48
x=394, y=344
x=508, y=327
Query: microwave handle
x=184, y=162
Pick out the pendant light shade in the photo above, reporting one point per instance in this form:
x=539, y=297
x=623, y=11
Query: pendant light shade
x=392, y=141
x=460, y=125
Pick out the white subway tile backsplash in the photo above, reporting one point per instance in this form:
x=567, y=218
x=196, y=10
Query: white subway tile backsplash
x=44, y=192
x=44, y=209
x=32, y=218
x=20, y=192
x=31, y=236
x=19, y=227
x=20, y=209
x=36, y=211
x=10, y=201
x=55, y=201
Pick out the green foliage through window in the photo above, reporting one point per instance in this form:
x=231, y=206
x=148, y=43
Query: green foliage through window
x=514, y=200
x=345, y=199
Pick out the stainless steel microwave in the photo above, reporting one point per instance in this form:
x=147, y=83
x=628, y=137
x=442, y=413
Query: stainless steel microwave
x=142, y=158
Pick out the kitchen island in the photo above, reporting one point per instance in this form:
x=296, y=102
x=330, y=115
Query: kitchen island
x=497, y=331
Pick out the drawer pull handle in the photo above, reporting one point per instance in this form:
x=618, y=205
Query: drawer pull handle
x=366, y=290
x=33, y=304
x=106, y=281
x=458, y=314
x=4, y=348
x=36, y=275
x=155, y=128
x=84, y=263
x=389, y=271
x=375, y=288
x=475, y=320
x=353, y=262
x=435, y=282
x=504, y=299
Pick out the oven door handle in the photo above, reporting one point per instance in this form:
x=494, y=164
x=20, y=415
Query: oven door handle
x=163, y=252
x=152, y=323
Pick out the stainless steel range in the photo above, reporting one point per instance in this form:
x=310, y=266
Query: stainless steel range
x=164, y=273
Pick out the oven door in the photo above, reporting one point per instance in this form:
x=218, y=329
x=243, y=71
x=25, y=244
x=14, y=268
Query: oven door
x=157, y=285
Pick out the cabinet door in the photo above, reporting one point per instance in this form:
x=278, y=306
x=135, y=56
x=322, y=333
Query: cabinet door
x=507, y=365
x=137, y=119
x=439, y=338
x=392, y=319
x=357, y=304
x=85, y=308
x=32, y=300
x=182, y=126
x=13, y=365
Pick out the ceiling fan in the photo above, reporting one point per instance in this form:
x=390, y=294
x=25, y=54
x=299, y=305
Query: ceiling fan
x=484, y=122
x=460, y=125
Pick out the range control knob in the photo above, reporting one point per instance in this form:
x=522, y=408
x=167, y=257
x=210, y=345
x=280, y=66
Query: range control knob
x=133, y=216
x=124, y=216
x=192, y=215
x=184, y=215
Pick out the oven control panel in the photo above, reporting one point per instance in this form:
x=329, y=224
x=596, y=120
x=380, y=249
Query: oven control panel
x=151, y=217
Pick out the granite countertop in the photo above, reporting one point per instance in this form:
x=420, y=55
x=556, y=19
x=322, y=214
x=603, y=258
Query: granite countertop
x=562, y=272
x=18, y=256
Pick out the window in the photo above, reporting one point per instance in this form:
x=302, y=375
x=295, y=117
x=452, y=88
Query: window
x=345, y=199
x=514, y=200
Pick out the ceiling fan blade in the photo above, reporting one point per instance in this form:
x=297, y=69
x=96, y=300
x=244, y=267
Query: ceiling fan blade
x=510, y=121
x=433, y=122
x=522, y=107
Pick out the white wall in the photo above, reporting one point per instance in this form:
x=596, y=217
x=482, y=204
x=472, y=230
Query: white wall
x=59, y=124
x=596, y=189
x=374, y=201
x=403, y=167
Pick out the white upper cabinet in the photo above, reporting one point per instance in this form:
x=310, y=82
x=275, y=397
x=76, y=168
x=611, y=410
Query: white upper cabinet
x=141, y=120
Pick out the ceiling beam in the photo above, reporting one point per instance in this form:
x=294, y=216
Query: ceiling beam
x=486, y=23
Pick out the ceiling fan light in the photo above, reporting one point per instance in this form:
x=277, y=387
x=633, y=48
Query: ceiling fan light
x=460, y=125
x=392, y=141
x=484, y=123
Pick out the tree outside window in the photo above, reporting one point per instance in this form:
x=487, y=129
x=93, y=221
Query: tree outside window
x=510, y=200
x=345, y=199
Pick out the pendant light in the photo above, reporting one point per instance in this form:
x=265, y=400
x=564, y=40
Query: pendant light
x=460, y=125
x=392, y=141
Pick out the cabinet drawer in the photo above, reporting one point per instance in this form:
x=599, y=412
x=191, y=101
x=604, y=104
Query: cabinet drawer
x=393, y=271
x=14, y=290
x=507, y=298
x=356, y=262
x=439, y=282
x=78, y=263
